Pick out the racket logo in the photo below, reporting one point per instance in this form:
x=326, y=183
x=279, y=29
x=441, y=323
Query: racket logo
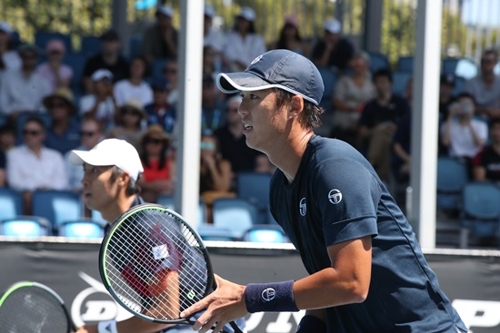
x=191, y=295
x=268, y=294
x=160, y=252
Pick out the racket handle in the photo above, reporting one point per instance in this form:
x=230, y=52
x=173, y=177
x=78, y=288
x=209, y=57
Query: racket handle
x=235, y=327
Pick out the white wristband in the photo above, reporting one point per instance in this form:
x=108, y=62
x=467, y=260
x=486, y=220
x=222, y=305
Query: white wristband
x=107, y=327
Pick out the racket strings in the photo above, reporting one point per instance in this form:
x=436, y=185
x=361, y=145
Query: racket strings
x=141, y=256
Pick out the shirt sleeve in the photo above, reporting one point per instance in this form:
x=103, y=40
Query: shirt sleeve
x=15, y=177
x=347, y=199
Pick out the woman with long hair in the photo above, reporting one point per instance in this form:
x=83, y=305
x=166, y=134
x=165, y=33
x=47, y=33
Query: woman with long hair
x=290, y=39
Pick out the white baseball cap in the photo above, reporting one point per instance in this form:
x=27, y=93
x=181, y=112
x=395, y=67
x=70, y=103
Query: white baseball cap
x=247, y=13
x=100, y=74
x=111, y=152
x=333, y=26
x=5, y=27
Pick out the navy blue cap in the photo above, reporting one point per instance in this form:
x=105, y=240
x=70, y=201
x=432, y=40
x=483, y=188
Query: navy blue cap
x=281, y=69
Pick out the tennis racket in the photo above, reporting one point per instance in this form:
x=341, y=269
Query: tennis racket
x=31, y=307
x=155, y=265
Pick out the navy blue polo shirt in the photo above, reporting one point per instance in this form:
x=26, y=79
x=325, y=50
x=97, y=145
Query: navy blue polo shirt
x=336, y=196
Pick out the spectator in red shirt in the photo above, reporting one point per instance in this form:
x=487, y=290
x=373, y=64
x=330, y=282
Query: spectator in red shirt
x=486, y=164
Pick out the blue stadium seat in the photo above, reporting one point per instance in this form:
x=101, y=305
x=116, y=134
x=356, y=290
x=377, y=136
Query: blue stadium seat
x=480, y=211
x=25, y=226
x=237, y=215
x=329, y=80
x=399, y=81
x=213, y=233
x=10, y=203
x=43, y=37
x=77, y=62
x=84, y=229
x=449, y=65
x=254, y=187
x=168, y=202
x=405, y=64
x=91, y=45
x=265, y=234
x=23, y=116
x=157, y=67
x=57, y=206
x=134, y=45
x=451, y=179
x=378, y=61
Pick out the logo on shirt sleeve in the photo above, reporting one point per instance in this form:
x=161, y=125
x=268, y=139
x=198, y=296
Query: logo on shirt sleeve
x=334, y=196
x=303, y=206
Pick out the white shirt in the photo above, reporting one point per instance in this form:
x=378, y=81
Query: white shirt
x=28, y=172
x=245, y=50
x=124, y=91
x=12, y=60
x=21, y=93
x=461, y=140
x=485, y=96
x=105, y=110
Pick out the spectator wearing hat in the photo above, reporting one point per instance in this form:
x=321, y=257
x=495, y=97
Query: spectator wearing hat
x=160, y=112
x=161, y=39
x=290, y=39
x=212, y=37
x=134, y=87
x=54, y=70
x=158, y=164
x=64, y=133
x=129, y=123
x=110, y=58
x=333, y=50
x=23, y=89
x=243, y=44
x=32, y=166
x=100, y=104
x=9, y=59
x=485, y=87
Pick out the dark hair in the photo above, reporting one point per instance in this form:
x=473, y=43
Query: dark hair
x=493, y=122
x=35, y=119
x=89, y=119
x=492, y=52
x=251, y=27
x=383, y=72
x=163, y=156
x=282, y=42
x=465, y=94
x=310, y=116
x=132, y=187
x=145, y=62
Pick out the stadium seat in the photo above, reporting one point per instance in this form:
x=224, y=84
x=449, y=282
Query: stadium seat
x=235, y=214
x=25, y=226
x=213, y=233
x=10, y=203
x=378, y=61
x=405, y=64
x=43, y=37
x=480, y=213
x=329, y=80
x=91, y=45
x=254, y=187
x=23, y=116
x=77, y=62
x=399, y=81
x=168, y=202
x=57, y=206
x=84, y=229
x=265, y=234
x=451, y=178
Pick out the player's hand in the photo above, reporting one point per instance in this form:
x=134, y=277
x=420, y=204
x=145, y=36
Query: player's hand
x=225, y=304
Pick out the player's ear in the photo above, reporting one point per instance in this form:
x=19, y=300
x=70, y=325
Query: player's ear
x=296, y=106
x=123, y=179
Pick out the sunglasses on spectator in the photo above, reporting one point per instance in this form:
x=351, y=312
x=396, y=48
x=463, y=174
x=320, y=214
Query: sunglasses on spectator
x=57, y=105
x=87, y=133
x=32, y=132
x=153, y=141
x=131, y=112
x=207, y=146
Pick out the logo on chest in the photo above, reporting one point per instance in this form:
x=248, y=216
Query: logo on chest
x=303, y=206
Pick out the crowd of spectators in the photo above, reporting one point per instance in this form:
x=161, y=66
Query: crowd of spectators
x=45, y=116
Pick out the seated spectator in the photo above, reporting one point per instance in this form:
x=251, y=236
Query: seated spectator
x=64, y=132
x=243, y=44
x=7, y=138
x=91, y=133
x=212, y=37
x=485, y=87
x=128, y=123
x=349, y=96
x=134, y=87
x=486, y=164
x=161, y=39
x=100, y=104
x=157, y=178
x=170, y=75
x=333, y=50
x=160, y=112
x=464, y=135
x=9, y=59
x=32, y=166
x=290, y=39
x=212, y=113
x=110, y=58
x=378, y=123
x=54, y=71
x=232, y=142
x=215, y=173
x=23, y=89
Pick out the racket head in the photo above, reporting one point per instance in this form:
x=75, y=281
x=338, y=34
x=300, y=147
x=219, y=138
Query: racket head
x=154, y=264
x=31, y=307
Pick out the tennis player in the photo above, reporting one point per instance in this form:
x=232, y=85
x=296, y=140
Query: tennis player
x=367, y=270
